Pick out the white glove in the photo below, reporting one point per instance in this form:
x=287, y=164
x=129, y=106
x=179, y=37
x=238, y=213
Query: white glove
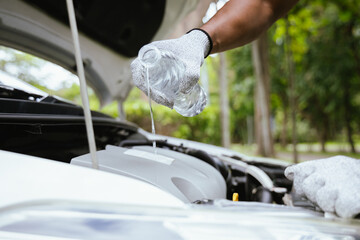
x=191, y=48
x=332, y=183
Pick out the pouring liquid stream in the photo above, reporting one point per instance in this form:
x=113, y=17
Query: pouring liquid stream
x=151, y=113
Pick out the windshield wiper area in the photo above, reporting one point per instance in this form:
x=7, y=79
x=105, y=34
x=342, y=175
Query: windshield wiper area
x=14, y=93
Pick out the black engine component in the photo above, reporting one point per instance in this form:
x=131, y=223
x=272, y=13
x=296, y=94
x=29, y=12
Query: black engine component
x=50, y=128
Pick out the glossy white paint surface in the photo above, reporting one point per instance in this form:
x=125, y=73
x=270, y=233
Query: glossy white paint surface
x=25, y=178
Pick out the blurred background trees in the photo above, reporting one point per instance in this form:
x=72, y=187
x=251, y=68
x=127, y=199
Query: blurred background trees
x=317, y=46
x=313, y=59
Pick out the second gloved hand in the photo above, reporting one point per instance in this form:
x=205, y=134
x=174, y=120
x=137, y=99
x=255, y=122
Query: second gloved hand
x=191, y=49
x=332, y=183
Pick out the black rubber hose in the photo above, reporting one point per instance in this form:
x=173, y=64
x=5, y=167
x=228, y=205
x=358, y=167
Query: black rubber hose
x=210, y=160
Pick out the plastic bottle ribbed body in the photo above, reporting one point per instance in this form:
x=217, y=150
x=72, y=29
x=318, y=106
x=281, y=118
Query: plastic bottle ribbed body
x=165, y=73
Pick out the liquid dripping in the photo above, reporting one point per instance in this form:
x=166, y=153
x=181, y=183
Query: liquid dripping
x=151, y=113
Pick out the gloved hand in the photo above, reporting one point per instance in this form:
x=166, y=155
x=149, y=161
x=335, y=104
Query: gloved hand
x=332, y=183
x=191, y=48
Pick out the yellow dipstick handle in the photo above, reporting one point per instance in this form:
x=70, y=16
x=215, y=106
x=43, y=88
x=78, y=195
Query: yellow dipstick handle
x=235, y=197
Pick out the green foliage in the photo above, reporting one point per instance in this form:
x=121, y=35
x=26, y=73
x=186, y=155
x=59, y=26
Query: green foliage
x=241, y=91
x=325, y=50
x=20, y=64
x=204, y=127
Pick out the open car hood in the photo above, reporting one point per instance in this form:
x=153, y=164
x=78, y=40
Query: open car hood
x=110, y=35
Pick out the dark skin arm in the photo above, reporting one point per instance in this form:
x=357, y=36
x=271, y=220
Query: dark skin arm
x=242, y=21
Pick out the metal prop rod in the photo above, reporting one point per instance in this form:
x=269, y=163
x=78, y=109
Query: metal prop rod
x=83, y=87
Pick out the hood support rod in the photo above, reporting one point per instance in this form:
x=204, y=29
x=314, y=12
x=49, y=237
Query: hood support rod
x=83, y=86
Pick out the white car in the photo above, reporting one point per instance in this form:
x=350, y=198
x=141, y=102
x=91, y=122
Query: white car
x=184, y=190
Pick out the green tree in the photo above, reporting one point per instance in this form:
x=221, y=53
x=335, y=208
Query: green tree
x=241, y=92
x=20, y=64
x=331, y=80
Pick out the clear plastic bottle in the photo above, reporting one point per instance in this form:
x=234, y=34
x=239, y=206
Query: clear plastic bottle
x=165, y=72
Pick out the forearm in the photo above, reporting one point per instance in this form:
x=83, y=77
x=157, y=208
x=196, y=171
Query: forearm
x=242, y=21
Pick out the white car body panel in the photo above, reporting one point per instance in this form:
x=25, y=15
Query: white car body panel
x=25, y=178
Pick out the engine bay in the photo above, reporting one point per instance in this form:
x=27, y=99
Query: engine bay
x=53, y=129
